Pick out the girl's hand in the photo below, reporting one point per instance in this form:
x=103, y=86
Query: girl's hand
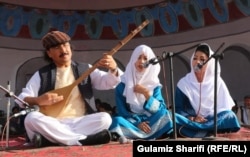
x=144, y=127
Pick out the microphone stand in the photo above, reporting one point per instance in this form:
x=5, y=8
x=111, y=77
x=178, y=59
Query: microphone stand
x=7, y=115
x=216, y=57
x=170, y=55
x=10, y=94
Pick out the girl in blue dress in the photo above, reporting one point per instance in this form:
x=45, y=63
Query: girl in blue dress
x=141, y=109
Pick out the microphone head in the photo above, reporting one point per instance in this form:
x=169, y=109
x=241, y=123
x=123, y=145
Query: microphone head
x=154, y=61
x=198, y=66
x=145, y=65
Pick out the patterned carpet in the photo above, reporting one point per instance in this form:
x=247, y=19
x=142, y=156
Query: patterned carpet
x=16, y=147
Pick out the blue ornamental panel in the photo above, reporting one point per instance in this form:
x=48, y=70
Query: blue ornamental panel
x=193, y=13
x=67, y=22
x=168, y=19
x=39, y=24
x=93, y=25
x=244, y=6
x=219, y=10
x=10, y=20
x=142, y=15
x=119, y=22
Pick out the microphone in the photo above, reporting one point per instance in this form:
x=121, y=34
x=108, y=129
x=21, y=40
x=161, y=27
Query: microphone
x=198, y=67
x=152, y=61
x=124, y=140
x=26, y=111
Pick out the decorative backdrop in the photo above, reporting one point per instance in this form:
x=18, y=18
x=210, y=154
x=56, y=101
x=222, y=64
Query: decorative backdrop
x=172, y=17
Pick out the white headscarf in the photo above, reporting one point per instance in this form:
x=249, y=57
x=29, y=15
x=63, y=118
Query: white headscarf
x=191, y=88
x=149, y=78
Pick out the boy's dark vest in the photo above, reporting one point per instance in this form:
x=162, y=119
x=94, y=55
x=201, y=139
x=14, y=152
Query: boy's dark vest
x=48, y=78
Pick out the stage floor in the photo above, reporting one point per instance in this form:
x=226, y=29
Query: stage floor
x=16, y=146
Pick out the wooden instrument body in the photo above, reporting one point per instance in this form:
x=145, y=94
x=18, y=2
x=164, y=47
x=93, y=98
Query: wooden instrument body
x=55, y=109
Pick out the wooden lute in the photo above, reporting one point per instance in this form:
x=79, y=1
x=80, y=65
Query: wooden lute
x=55, y=109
